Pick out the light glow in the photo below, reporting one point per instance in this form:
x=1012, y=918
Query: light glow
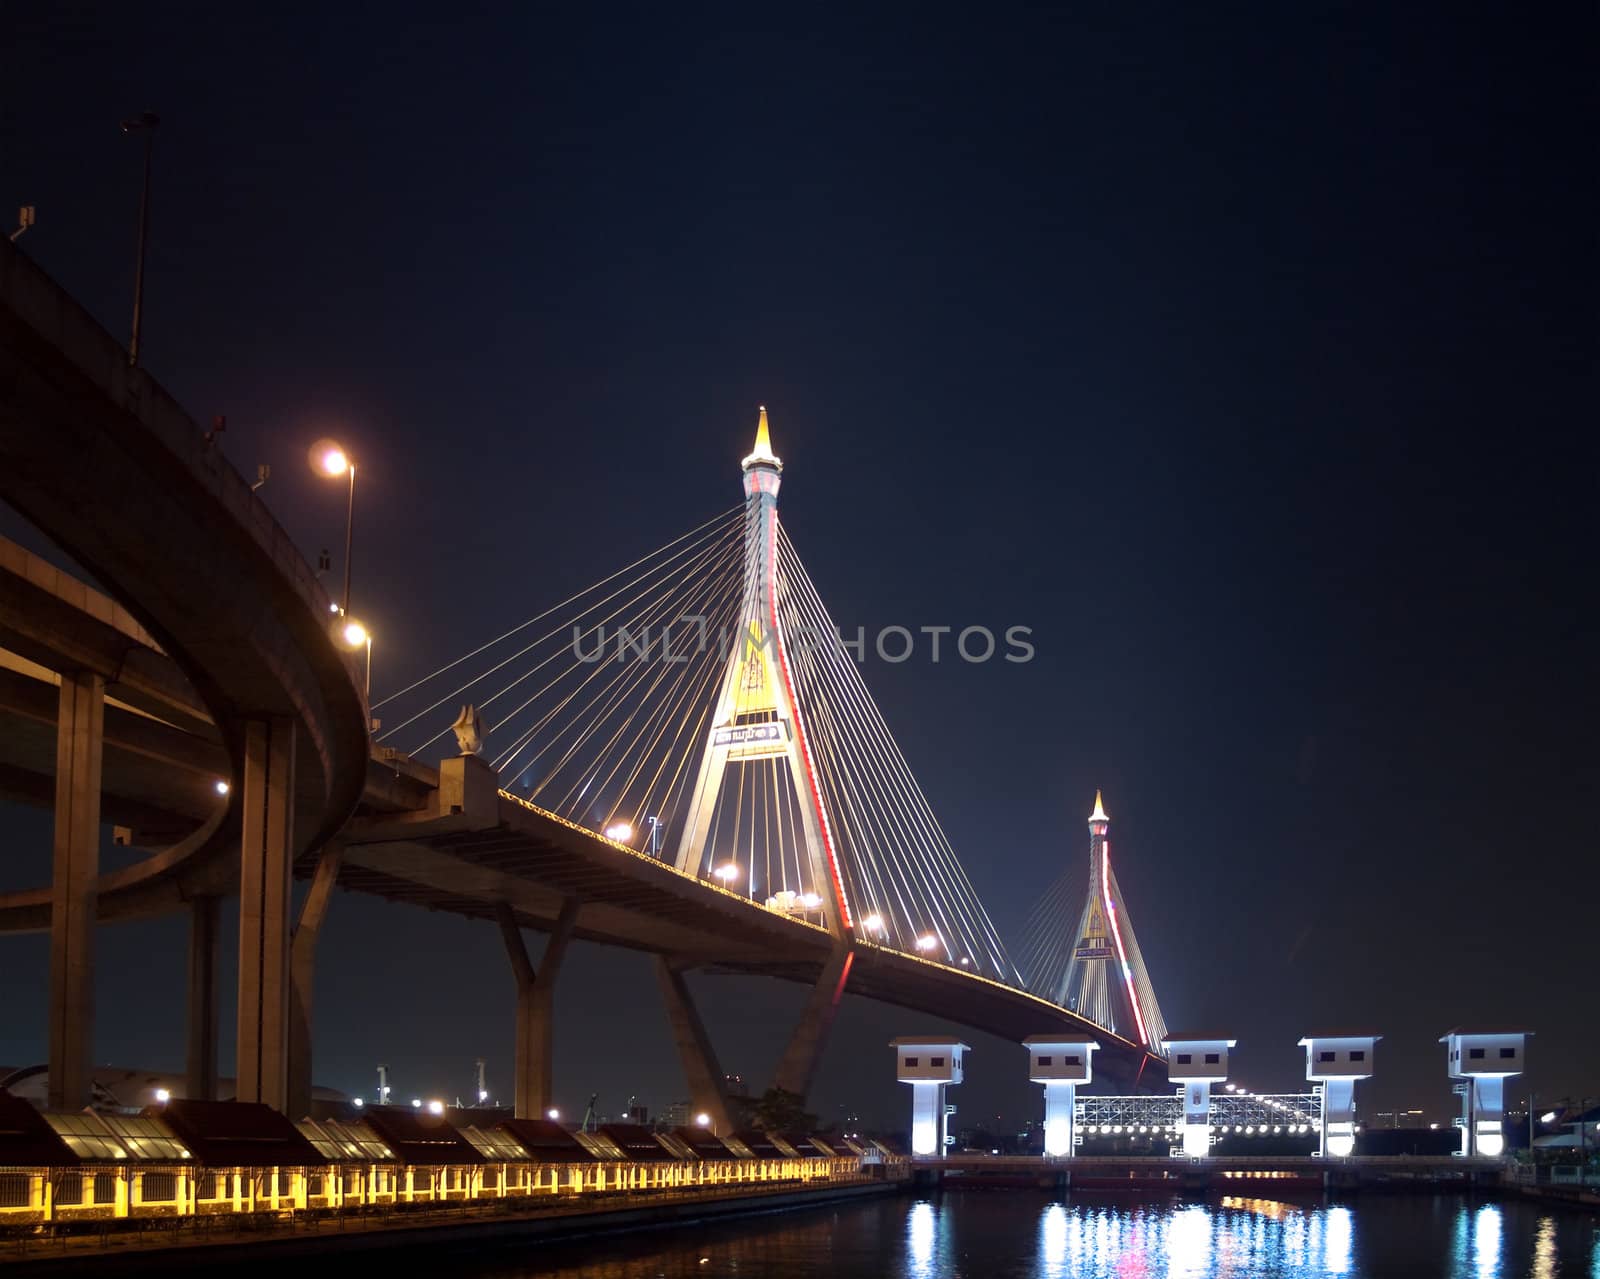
x=436, y=1107
x=727, y=872
x=1116, y=935
x=810, y=901
x=358, y=1103
x=873, y=923
x=222, y=787
x=163, y=1096
x=800, y=735
x=927, y=941
x=619, y=831
x=702, y=1120
x=355, y=634
x=1340, y=1145
x=329, y=459
x=552, y=1113
x=1491, y=1144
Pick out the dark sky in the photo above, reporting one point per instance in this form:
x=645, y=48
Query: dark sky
x=1246, y=353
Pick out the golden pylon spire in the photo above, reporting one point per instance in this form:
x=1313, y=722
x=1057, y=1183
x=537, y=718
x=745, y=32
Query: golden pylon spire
x=763, y=449
x=1099, y=814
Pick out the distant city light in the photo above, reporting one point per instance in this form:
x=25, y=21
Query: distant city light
x=163, y=1096
x=417, y=1102
x=619, y=831
x=222, y=787
x=727, y=872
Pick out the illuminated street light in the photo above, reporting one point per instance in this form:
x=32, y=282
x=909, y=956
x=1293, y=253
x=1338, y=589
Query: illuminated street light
x=727, y=872
x=353, y=635
x=436, y=1107
x=358, y=1102
x=927, y=941
x=552, y=1114
x=1549, y=1117
x=619, y=831
x=703, y=1120
x=873, y=923
x=810, y=901
x=417, y=1102
x=163, y=1096
x=222, y=787
x=331, y=460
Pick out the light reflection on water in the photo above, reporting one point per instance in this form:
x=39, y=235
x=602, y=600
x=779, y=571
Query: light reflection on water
x=1027, y=1235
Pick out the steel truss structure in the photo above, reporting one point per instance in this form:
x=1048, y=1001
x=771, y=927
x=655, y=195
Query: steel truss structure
x=1251, y=1114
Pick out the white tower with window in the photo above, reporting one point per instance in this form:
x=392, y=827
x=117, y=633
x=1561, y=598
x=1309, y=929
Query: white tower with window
x=930, y=1066
x=1195, y=1062
x=1336, y=1061
x=1483, y=1060
x=1060, y=1063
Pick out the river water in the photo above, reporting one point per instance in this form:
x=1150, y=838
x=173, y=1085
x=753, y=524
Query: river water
x=1029, y=1235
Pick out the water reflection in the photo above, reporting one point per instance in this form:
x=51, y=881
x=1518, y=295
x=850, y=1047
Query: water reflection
x=1022, y=1235
x=920, y=1230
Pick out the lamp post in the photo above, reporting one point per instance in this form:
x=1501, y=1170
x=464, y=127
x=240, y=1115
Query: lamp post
x=355, y=636
x=146, y=121
x=329, y=459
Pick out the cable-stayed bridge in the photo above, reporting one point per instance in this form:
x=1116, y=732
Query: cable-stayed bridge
x=682, y=759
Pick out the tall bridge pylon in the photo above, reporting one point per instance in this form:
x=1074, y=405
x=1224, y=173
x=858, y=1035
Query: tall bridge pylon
x=701, y=706
x=756, y=717
x=1096, y=969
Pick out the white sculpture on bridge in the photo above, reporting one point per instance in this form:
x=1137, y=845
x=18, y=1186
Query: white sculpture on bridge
x=468, y=729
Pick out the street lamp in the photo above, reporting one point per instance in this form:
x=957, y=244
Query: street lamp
x=355, y=636
x=146, y=121
x=619, y=831
x=330, y=459
x=727, y=873
x=703, y=1120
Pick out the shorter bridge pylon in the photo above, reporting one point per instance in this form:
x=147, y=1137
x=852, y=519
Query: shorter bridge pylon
x=1096, y=969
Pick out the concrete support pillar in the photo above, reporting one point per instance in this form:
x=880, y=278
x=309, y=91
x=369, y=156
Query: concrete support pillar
x=1197, y=1118
x=700, y=1069
x=799, y=1064
x=535, y=1051
x=1060, y=1115
x=201, y=1073
x=302, y=970
x=265, y=863
x=73, y=901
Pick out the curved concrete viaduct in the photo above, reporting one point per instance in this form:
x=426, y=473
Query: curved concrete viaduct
x=99, y=457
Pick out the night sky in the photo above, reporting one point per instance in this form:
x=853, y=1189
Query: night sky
x=1247, y=354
